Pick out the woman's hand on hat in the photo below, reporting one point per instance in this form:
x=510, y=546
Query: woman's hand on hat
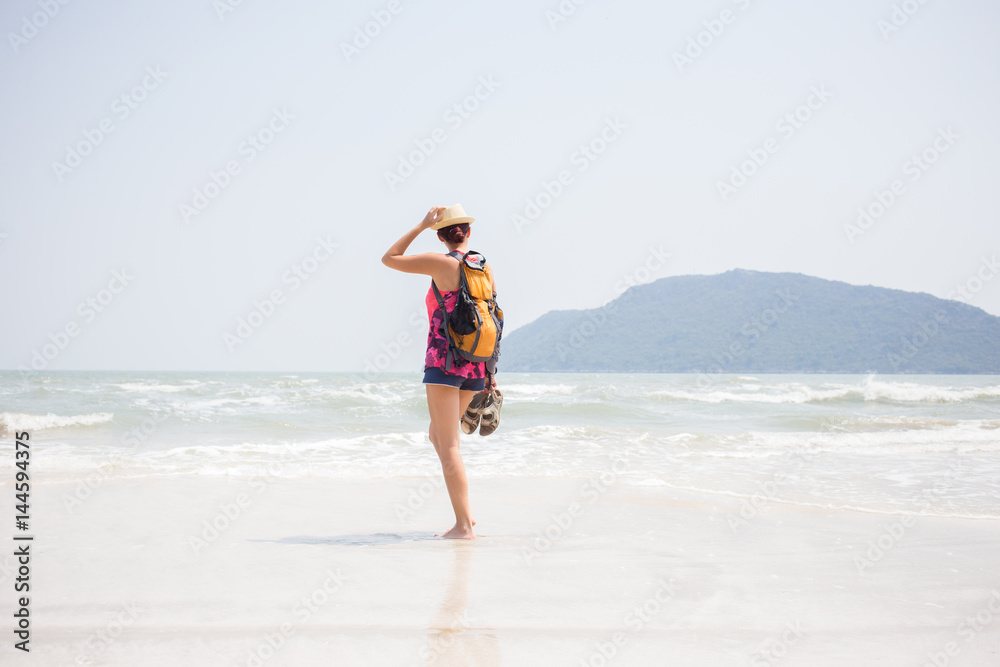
x=432, y=216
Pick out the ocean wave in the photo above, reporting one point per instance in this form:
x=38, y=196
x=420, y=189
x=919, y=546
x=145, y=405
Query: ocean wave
x=778, y=394
x=386, y=455
x=911, y=392
x=871, y=389
x=892, y=423
x=165, y=388
x=537, y=389
x=836, y=469
x=365, y=394
x=22, y=421
x=218, y=402
x=875, y=437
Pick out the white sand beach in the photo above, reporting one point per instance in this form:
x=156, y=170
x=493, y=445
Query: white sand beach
x=563, y=572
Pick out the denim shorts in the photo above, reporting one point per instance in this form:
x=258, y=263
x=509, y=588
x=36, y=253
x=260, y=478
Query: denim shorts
x=435, y=375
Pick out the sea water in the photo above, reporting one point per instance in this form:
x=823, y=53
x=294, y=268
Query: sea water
x=921, y=445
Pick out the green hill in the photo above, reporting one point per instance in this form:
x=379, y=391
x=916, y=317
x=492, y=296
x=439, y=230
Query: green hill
x=748, y=321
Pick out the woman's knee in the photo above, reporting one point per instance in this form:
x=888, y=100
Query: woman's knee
x=450, y=457
x=447, y=446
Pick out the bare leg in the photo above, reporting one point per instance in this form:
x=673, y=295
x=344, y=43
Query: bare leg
x=445, y=405
x=434, y=441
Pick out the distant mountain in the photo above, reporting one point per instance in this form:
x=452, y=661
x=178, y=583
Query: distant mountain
x=749, y=322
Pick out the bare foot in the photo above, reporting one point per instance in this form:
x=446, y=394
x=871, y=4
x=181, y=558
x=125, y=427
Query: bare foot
x=459, y=533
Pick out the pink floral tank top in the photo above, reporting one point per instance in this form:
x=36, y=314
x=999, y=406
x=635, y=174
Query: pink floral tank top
x=437, y=344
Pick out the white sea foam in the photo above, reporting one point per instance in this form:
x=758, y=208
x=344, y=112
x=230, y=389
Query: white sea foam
x=870, y=389
x=165, y=388
x=209, y=404
x=520, y=390
x=369, y=393
x=894, y=423
x=777, y=394
x=874, y=390
x=969, y=436
x=650, y=482
x=20, y=421
x=866, y=442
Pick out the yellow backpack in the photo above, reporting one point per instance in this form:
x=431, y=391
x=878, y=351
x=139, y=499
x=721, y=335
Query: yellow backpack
x=474, y=327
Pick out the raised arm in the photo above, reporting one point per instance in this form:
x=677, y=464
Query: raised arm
x=395, y=257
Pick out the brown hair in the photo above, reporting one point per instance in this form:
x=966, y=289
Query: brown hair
x=454, y=234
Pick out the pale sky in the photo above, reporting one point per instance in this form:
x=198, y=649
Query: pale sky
x=121, y=119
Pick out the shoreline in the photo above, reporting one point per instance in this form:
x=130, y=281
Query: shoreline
x=213, y=567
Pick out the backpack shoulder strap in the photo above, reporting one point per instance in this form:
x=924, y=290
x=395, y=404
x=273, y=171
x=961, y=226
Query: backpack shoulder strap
x=449, y=353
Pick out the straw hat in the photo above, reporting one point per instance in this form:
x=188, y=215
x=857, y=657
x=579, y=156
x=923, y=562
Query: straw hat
x=453, y=215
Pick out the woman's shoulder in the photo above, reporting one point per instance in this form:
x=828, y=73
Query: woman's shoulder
x=430, y=290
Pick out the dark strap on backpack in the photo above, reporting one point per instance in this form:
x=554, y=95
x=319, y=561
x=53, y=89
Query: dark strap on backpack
x=450, y=354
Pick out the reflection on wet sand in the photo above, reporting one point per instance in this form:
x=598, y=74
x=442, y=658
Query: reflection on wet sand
x=451, y=640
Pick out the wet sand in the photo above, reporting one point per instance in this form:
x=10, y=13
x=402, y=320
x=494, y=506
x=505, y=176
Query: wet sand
x=235, y=571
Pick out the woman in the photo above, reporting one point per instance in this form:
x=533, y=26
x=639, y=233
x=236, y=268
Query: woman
x=448, y=393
